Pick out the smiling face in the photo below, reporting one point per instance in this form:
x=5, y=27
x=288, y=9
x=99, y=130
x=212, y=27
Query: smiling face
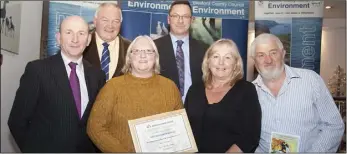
x=107, y=22
x=180, y=18
x=73, y=36
x=222, y=62
x=269, y=60
x=142, y=57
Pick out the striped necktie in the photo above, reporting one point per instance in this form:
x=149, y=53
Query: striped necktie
x=105, y=60
x=180, y=65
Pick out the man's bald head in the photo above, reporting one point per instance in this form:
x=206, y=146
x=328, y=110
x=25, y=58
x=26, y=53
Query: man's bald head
x=73, y=36
x=76, y=19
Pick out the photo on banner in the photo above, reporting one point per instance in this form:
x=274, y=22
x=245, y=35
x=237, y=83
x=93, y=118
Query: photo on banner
x=159, y=25
x=281, y=27
x=206, y=29
x=298, y=24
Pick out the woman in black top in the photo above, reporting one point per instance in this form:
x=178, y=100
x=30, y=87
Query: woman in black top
x=224, y=111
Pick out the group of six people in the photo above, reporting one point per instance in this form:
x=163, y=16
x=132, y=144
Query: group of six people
x=80, y=100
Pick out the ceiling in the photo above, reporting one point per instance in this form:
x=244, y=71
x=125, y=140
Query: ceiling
x=338, y=9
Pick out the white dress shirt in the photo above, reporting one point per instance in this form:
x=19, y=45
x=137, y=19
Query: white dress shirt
x=187, y=72
x=113, y=48
x=81, y=78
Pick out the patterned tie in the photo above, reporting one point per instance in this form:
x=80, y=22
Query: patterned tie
x=180, y=65
x=75, y=86
x=105, y=59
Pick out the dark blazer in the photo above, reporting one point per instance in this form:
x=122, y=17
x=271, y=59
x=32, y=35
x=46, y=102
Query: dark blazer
x=167, y=58
x=236, y=119
x=44, y=117
x=91, y=54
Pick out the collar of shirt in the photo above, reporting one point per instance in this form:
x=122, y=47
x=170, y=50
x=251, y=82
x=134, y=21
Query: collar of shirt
x=99, y=41
x=290, y=74
x=81, y=78
x=185, y=44
x=67, y=61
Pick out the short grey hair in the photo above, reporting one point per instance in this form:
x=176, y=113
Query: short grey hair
x=127, y=66
x=264, y=38
x=102, y=5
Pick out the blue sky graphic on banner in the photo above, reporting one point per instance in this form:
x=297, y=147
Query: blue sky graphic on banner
x=59, y=10
x=298, y=24
x=214, y=20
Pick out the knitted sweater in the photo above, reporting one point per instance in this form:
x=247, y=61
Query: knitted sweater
x=125, y=98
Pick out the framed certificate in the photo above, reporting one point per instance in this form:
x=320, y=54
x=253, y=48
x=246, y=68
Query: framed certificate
x=165, y=132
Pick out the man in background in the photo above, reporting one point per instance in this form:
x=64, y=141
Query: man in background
x=107, y=48
x=180, y=55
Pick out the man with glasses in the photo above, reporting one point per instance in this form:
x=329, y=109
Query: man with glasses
x=180, y=55
x=107, y=48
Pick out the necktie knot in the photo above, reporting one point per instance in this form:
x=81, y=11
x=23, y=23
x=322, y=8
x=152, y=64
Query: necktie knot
x=105, y=44
x=179, y=43
x=73, y=65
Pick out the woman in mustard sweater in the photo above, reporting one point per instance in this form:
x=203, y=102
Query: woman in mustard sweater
x=140, y=92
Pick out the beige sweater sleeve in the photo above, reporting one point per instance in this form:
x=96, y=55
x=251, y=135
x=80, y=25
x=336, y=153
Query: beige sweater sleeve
x=100, y=118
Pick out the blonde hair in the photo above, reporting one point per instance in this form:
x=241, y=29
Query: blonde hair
x=238, y=70
x=127, y=66
x=102, y=5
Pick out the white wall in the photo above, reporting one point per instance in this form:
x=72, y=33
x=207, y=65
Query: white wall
x=13, y=65
x=250, y=62
x=333, y=49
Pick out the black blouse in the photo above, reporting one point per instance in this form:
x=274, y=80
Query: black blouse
x=236, y=119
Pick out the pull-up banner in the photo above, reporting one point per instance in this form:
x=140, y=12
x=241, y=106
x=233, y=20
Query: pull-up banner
x=213, y=20
x=299, y=26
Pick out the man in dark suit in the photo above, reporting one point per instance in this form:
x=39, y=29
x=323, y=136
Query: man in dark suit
x=180, y=55
x=55, y=96
x=107, y=49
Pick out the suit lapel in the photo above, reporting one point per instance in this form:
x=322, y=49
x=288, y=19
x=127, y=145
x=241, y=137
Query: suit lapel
x=193, y=59
x=91, y=54
x=169, y=57
x=121, y=57
x=62, y=81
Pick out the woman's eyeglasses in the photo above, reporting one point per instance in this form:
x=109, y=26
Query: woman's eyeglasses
x=138, y=52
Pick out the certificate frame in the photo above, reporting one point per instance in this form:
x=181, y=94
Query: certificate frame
x=154, y=118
